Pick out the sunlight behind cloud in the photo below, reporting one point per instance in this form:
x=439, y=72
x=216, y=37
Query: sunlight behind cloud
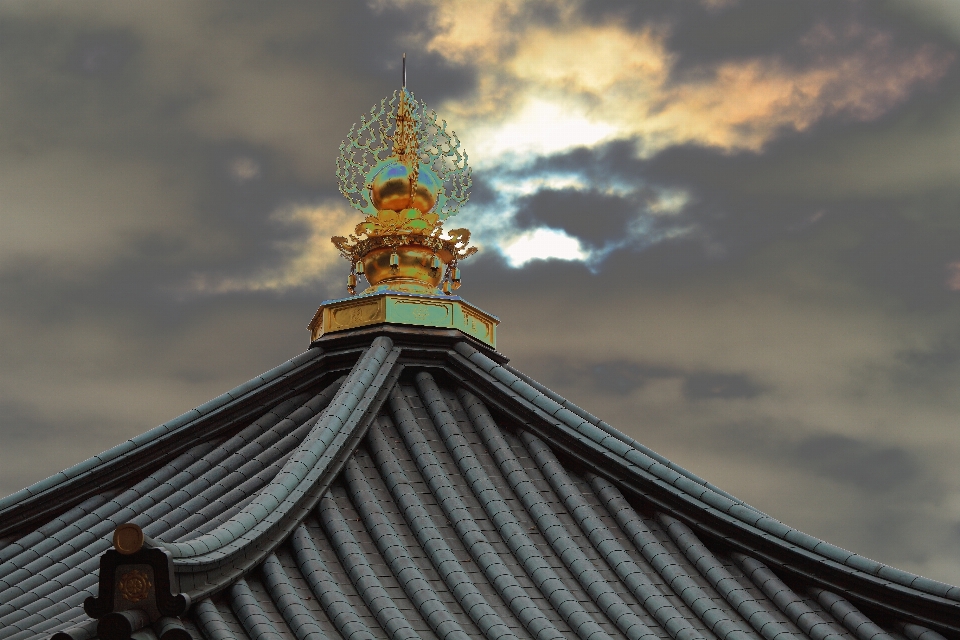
x=518, y=187
x=591, y=60
x=540, y=128
x=669, y=202
x=545, y=90
x=543, y=244
x=540, y=91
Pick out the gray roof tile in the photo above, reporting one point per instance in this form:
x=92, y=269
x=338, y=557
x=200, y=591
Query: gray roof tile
x=848, y=615
x=446, y=523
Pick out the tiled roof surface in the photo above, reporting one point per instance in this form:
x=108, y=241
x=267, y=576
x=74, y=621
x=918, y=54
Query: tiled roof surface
x=449, y=498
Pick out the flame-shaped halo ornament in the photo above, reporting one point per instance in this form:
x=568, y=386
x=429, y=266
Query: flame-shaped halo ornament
x=405, y=170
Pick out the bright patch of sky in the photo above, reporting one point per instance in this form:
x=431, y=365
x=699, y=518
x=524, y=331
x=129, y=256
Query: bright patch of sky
x=504, y=152
x=519, y=186
x=542, y=244
x=494, y=227
x=539, y=128
x=669, y=202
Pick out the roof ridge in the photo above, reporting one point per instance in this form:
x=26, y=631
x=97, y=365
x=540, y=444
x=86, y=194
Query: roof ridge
x=281, y=504
x=179, y=423
x=589, y=417
x=343, y=403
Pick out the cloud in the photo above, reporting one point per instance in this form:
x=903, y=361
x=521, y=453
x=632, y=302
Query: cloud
x=307, y=258
x=538, y=127
x=952, y=280
x=744, y=105
x=542, y=244
x=630, y=86
x=593, y=217
x=866, y=465
x=623, y=377
x=942, y=15
x=760, y=199
x=703, y=386
x=537, y=96
x=80, y=229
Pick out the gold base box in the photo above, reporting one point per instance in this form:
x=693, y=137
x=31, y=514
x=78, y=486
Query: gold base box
x=404, y=308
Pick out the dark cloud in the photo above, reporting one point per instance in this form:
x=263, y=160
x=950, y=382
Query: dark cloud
x=902, y=247
x=623, y=377
x=865, y=465
x=727, y=209
x=103, y=54
x=596, y=218
x=608, y=162
x=18, y=423
x=868, y=466
x=908, y=257
x=701, y=34
x=482, y=192
x=66, y=83
x=395, y=30
x=724, y=215
x=705, y=386
x=934, y=361
x=746, y=29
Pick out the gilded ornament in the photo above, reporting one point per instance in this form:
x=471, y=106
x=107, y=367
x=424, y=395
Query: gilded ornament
x=404, y=169
x=134, y=586
x=397, y=142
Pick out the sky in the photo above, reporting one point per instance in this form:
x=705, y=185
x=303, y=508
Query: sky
x=731, y=228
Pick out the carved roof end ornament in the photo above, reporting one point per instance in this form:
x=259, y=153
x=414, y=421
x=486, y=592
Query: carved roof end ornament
x=138, y=588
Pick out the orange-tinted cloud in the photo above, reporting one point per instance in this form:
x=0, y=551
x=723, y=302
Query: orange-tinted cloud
x=309, y=258
x=627, y=81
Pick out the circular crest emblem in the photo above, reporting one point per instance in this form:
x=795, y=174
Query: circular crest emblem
x=134, y=586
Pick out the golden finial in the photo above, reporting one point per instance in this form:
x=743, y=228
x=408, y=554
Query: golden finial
x=404, y=169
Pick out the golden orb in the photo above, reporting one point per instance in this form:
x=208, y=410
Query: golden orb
x=390, y=188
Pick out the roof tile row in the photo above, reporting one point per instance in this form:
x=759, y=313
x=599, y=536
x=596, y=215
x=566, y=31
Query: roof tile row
x=445, y=523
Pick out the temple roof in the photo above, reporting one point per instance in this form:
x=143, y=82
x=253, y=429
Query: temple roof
x=400, y=482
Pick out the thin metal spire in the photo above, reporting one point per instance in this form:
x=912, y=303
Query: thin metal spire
x=404, y=85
